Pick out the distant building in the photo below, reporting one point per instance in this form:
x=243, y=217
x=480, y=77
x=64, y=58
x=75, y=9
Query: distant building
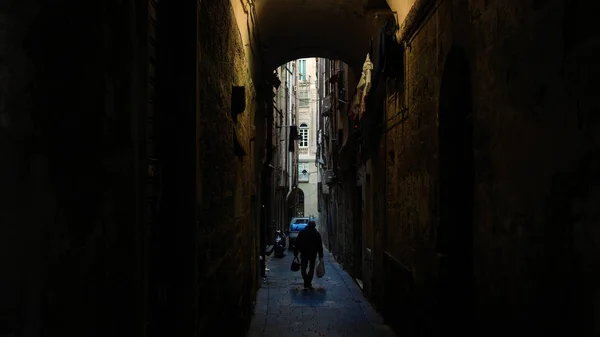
x=307, y=121
x=333, y=127
x=284, y=160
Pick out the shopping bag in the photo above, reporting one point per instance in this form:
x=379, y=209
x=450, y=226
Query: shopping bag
x=320, y=269
x=295, y=264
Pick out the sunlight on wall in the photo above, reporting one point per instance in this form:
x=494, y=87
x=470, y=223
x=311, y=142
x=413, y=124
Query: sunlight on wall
x=245, y=23
x=401, y=7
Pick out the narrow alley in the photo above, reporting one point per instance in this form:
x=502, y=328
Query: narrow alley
x=156, y=154
x=336, y=307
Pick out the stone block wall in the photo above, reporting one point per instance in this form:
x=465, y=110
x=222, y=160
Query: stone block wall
x=228, y=237
x=84, y=251
x=69, y=195
x=535, y=153
x=539, y=146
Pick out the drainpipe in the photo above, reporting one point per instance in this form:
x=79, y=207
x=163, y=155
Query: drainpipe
x=290, y=162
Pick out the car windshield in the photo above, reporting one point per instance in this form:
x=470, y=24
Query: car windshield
x=298, y=227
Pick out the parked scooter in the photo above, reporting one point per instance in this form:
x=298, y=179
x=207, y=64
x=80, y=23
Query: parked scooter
x=279, y=244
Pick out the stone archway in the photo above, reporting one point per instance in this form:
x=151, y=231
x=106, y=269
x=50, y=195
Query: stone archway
x=456, y=184
x=339, y=30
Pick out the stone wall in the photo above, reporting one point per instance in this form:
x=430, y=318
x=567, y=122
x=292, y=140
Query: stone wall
x=228, y=231
x=124, y=208
x=535, y=179
x=70, y=194
x=535, y=151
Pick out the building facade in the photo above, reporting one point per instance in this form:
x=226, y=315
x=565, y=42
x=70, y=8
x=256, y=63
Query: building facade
x=307, y=98
x=284, y=161
x=336, y=217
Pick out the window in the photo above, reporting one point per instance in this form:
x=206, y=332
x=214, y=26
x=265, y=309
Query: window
x=303, y=130
x=303, y=99
x=302, y=70
x=303, y=175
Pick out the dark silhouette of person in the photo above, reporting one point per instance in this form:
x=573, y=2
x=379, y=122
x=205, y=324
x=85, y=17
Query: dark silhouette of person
x=310, y=245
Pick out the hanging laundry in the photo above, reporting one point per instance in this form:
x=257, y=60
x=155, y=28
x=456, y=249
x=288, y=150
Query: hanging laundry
x=388, y=58
x=364, y=85
x=393, y=64
x=379, y=57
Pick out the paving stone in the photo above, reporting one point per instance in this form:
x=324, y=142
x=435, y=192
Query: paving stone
x=335, y=308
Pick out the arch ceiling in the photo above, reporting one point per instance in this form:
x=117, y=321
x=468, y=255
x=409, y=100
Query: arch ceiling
x=334, y=29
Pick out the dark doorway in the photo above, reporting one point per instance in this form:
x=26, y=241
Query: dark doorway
x=299, y=203
x=358, y=236
x=455, y=231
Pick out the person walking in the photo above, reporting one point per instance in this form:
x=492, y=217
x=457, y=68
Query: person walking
x=309, y=244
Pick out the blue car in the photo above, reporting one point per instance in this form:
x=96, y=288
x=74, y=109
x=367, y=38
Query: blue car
x=296, y=225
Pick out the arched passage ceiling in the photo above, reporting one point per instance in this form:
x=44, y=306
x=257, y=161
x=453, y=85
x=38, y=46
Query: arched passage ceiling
x=335, y=29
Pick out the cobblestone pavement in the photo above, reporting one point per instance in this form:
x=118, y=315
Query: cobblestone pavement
x=335, y=308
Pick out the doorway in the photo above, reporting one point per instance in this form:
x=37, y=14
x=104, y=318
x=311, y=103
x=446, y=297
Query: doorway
x=299, y=203
x=456, y=184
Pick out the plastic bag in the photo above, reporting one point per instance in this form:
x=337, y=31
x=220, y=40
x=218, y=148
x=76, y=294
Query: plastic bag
x=295, y=264
x=320, y=269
